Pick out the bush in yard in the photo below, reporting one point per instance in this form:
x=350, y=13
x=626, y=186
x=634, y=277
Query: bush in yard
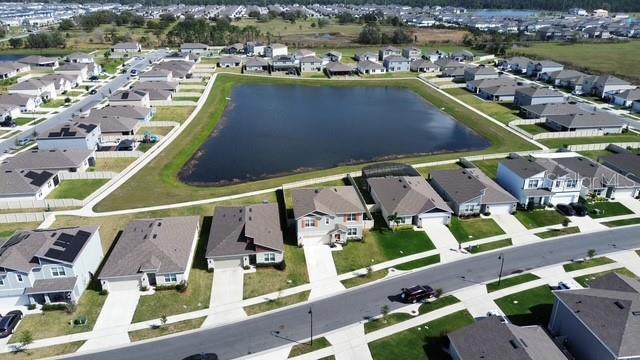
x=182, y=286
x=281, y=266
x=31, y=307
x=67, y=100
x=591, y=253
x=25, y=339
x=565, y=222
x=54, y=307
x=165, y=287
x=70, y=308
x=163, y=319
x=438, y=292
x=104, y=292
x=530, y=206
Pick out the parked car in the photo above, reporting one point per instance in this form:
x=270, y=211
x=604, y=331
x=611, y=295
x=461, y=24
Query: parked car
x=93, y=92
x=580, y=209
x=566, y=210
x=498, y=314
x=134, y=72
x=417, y=293
x=94, y=78
x=8, y=123
x=9, y=322
x=23, y=141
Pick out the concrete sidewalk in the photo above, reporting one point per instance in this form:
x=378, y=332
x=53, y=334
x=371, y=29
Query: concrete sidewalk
x=519, y=233
x=350, y=343
x=477, y=301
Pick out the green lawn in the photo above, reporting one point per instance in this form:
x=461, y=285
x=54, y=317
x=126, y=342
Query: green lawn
x=559, y=143
x=303, y=348
x=172, y=113
x=57, y=322
x=473, y=229
x=534, y=129
x=392, y=319
x=76, y=189
x=113, y=164
x=618, y=58
x=23, y=120
x=490, y=246
x=529, y=307
x=166, y=329
x=422, y=342
x=511, y=281
x=171, y=302
x=380, y=245
x=44, y=352
x=359, y=280
x=161, y=173
x=424, y=171
x=624, y=222
x=7, y=230
x=558, y=232
x=429, y=260
x=277, y=303
x=109, y=65
x=579, y=265
x=539, y=218
x=488, y=167
x=585, y=280
x=53, y=103
x=187, y=98
x=603, y=209
x=503, y=112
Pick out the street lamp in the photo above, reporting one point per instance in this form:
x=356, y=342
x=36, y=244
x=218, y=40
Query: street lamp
x=311, y=325
x=501, y=258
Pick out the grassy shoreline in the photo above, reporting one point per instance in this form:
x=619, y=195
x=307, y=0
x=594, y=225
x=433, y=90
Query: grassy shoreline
x=162, y=173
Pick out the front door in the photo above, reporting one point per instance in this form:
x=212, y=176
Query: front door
x=152, y=278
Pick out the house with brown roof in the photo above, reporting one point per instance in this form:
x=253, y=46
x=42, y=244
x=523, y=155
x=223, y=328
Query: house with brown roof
x=328, y=215
x=245, y=236
x=152, y=252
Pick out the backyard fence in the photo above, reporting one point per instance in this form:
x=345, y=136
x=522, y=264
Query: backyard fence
x=118, y=154
x=602, y=146
x=92, y=175
x=173, y=103
x=40, y=204
x=568, y=134
x=21, y=218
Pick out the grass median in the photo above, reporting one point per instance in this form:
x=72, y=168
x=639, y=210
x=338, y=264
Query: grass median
x=161, y=174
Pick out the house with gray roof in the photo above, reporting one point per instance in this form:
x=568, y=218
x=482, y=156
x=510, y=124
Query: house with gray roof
x=370, y=67
x=285, y=63
x=195, y=48
x=598, y=179
x=366, y=56
x=9, y=111
x=599, y=322
x=37, y=61
x=78, y=69
x=490, y=338
x=70, y=136
x=45, y=89
x=245, y=236
x=503, y=93
x=596, y=121
x=9, y=69
x=626, y=98
x=541, y=111
x=476, y=85
x=408, y=200
x=230, y=61
x=539, y=181
x=180, y=69
x=311, y=64
x=423, y=66
x=328, y=215
x=126, y=47
x=481, y=72
x=471, y=192
x=570, y=79
x=130, y=97
x=256, y=64
x=25, y=102
x=49, y=266
x=152, y=252
x=412, y=53
x=625, y=163
x=536, y=68
x=139, y=113
x=302, y=53
x=396, y=63
x=21, y=184
x=333, y=68
x=52, y=160
x=517, y=64
x=156, y=75
x=463, y=55
x=529, y=95
x=388, y=51
x=80, y=57
x=112, y=124
x=333, y=56
x=605, y=85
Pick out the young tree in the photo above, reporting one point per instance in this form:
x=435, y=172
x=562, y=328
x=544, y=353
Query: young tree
x=591, y=253
x=384, y=311
x=163, y=319
x=25, y=339
x=393, y=218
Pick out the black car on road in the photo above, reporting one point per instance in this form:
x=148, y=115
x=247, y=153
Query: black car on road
x=417, y=293
x=9, y=322
x=580, y=209
x=566, y=210
x=93, y=92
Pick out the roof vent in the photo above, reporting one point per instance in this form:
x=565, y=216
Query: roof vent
x=635, y=313
x=619, y=304
x=514, y=344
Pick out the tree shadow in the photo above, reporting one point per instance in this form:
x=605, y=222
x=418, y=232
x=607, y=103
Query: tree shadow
x=538, y=315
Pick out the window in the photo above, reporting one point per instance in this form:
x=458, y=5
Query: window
x=309, y=222
x=352, y=231
x=533, y=184
x=170, y=278
x=571, y=184
x=469, y=208
x=558, y=183
x=57, y=271
x=352, y=217
x=19, y=277
x=1, y=280
x=326, y=221
x=270, y=257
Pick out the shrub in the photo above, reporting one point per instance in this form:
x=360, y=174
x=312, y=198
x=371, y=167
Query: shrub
x=487, y=213
x=54, y=307
x=565, y=222
x=182, y=286
x=144, y=288
x=104, y=292
x=31, y=307
x=67, y=100
x=70, y=308
x=281, y=266
x=165, y=287
x=438, y=292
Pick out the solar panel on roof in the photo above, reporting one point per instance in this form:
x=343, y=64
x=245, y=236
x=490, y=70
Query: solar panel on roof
x=68, y=246
x=38, y=178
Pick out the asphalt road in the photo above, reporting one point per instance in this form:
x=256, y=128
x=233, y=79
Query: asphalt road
x=259, y=334
x=85, y=103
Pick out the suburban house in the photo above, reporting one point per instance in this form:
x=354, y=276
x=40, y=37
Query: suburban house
x=229, y=61
x=130, y=97
x=339, y=69
x=285, y=63
x=470, y=192
x=491, y=338
x=9, y=69
x=395, y=63
x=600, y=322
x=333, y=56
x=156, y=75
x=61, y=83
x=78, y=69
x=302, y=53
x=244, y=236
x=9, y=111
x=504, y=93
x=366, y=56
x=48, y=266
x=182, y=56
x=180, y=69
x=516, y=64
x=237, y=48
x=536, y=68
x=328, y=215
x=605, y=85
x=273, y=50
x=541, y=111
x=571, y=79
x=463, y=55
x=52, y=160
x=157, y=90
x=79, y=57
x=139, y=113
x=388, y=51
x=479, y=73
x=194, y=48
x=598, y=179
x=21, y=184
x=72, y=135
x=408, y=200
x=37, y=61
x=448, y=64
x=311, y=64
x=538, y=181
x=126, y=47
x=412, y=53
x=27, y=103
x=599, y=121
x=35, y=87
x=256, y=64
x=423, y=66
x=433, y=56
x=626, y=98
x=625, y=163
x=152, y=252
x=537, y=95
x=370, y=67
x=111, y=124
x=476, y=85
x=254, y=48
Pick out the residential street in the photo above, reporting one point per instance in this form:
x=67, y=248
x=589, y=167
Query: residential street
x=283, y=327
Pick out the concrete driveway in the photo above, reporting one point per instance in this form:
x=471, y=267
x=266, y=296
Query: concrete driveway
x=226, y=296
x=322, y=271
x=514, y=228
x=112, y=325
x=444, y=241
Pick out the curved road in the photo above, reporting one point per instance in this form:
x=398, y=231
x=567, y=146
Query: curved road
x=257, y=334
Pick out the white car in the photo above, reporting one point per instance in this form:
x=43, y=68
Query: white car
x=503, y=319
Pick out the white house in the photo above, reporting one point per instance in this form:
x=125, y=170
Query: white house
x=157, y=75
x=311, y=64
x=9, y=111
x=370, y=67
x=73, y=135
x=27, y=185
x=35, y=87
x=27, y=103
x=273, y=50
x=77, y=69
x=126, y=47
x=195, y=48
x=605, y=85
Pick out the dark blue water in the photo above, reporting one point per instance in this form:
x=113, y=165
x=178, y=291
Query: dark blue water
x=271, y=130
x=9, y=57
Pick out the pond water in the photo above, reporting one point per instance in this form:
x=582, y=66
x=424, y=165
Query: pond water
x=10, y=57
x=273, y=130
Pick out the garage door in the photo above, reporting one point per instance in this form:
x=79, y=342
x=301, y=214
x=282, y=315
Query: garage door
x=124, y=285
x=623, y=193
x=315, y=240
x=227, y=264
x=499, y=209
x=563, y=199
x=425, y=220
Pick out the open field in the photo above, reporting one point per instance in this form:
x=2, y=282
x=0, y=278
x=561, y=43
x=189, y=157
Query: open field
x=619, y=59
x=161, y=173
